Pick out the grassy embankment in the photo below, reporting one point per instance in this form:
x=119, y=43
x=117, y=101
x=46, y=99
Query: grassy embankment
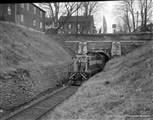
x=30, y=62
x=125, y=87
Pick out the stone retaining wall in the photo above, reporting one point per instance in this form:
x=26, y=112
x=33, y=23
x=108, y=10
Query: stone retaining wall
x=114, y=37
x=95, y=41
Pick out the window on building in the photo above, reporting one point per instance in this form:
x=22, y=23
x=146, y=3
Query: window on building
x=22, y=18
x=27, y=6
x=34, y=22
x=22, y=5
x=59, y=31
x=34, y=10
x=9, y=10
x=41, y=14
x=40, y=25
x=62, y=27
x=70, y=26
x=78, y=26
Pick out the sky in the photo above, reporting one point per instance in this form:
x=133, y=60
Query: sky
x=106, y=9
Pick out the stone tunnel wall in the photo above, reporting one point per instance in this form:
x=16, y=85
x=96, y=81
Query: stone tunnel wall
x=96, y=45
x=114, y=37
x=127, y=43
x=125, y=46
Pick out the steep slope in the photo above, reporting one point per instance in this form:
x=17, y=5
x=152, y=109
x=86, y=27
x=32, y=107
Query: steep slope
x=30, y=62
x=123, y=91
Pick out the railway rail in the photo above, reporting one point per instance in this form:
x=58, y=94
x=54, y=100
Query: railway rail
x=83, y=67
x=39, y=109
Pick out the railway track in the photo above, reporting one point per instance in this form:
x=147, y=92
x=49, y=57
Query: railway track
x=38, y=110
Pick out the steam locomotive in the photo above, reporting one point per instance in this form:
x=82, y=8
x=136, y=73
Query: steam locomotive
x=86, y=65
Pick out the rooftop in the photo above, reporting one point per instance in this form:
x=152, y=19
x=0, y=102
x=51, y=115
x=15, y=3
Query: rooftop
x=38, y=6
x=74, y=18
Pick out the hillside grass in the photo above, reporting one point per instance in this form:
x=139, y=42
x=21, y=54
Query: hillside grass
x=30, y=63
x=124, y=88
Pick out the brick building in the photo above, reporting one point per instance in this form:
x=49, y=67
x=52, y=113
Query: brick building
x=25, y=14
x=74, y=24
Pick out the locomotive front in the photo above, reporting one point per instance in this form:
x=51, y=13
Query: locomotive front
x=86, y=65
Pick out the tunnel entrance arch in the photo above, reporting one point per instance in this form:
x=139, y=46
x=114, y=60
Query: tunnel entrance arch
x=107, y=57
x=103, y=52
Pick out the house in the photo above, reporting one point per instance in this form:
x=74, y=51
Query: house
x=76, y=24
x=114, y=26
x=26, y=14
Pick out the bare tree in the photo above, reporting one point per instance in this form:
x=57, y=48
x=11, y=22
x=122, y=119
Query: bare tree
x=130, y=10
x=89, y=7
x=71, y=8
x=57, y=9
x=145, y=8
x=53, y=10
x=130, y=7
x=127, y=20
x=123, y=14
x=126, y=24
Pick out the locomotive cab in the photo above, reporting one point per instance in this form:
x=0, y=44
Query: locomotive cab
x=79, y=73
x=86, y=65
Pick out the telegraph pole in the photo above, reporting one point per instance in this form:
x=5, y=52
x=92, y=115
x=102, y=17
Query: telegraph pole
x=77, y=22
x=137, y=18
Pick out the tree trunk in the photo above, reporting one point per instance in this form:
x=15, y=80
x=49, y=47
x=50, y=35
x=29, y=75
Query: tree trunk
x=133, y=20
x=142, y=18
x=128, y=22
x=146, y=13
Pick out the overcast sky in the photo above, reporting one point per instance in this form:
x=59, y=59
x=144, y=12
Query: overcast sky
x=105, y=8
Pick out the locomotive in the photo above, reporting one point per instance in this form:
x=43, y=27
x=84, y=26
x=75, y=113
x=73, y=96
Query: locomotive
x=86, y=65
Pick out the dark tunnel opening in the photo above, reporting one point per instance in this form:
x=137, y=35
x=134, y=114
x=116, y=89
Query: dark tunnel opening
x=107, y=58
